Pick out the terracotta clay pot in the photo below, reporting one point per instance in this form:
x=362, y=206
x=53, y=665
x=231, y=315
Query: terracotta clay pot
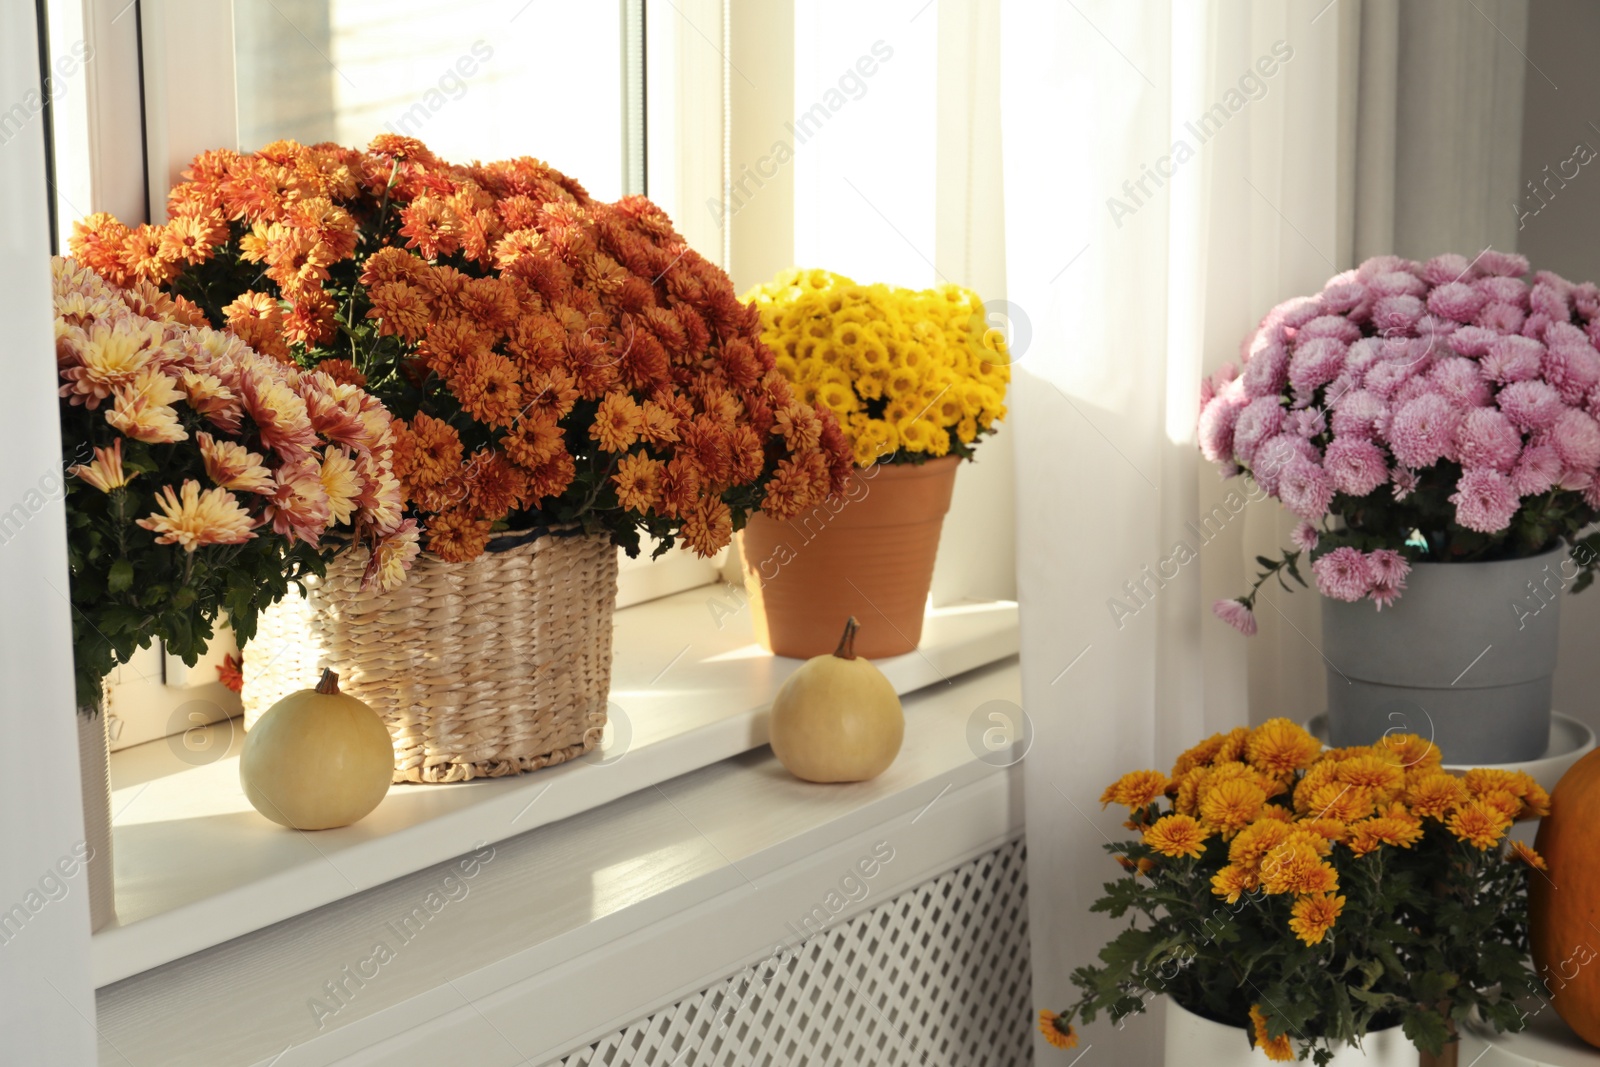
x=867, y=552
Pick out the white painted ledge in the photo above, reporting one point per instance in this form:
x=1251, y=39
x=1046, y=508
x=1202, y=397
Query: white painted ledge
x=196, y=866
x=577, y=928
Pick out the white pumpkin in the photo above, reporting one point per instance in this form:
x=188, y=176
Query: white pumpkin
x=317, y=759
x=837, y=718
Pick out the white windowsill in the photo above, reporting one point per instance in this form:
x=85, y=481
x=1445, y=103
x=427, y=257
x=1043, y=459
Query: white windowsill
x=196, y=866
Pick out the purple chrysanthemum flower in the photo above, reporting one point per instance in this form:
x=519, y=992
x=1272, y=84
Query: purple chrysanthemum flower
x=1486, y=438
x=1389, y=570
x=1305, y=488
x=1355, y=466
x=1274, y=457
x=1586, y=299
x=1371, y=268
x=1237, y=615
x=1304, y=536
x=1513, y=291
x=1422, y=431
x=1405, y=482
x=1306, y=422
x=1343, y=574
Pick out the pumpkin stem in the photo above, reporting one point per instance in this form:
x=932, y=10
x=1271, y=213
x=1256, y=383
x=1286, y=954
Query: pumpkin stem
x=847, y=643
x=328, y=684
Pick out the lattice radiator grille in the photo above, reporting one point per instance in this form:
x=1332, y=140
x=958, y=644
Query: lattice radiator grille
x=936, y=976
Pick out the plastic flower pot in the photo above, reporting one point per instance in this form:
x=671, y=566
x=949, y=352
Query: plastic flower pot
x=868, y=552
x=1466, y=658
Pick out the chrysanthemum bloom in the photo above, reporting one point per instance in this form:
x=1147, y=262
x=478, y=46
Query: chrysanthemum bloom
x=1337, y=800
x=1236, y=614
x=1316, y=362
x=105, y=472
x=1305, y=488
x=1232, y=882
x=1277, y=1049
x=1296, y=867
x=231, y=465
x=1533, y=405
x=1355, y=466
x=1228, y=806
x=1485, y=500
x=1413, y=753
x=388, y=563
x=1280, y=747
x=1381, y=776
x=1343, y=574
x=455, y=536
x=1436, y=794
x=1525, y=854
x=1057, y=1032
x=194, y=517
x=1136, y=789
x=299, y=507
x=1252, y=844
x=1176, y=835
x=1423, y=431
x=143, y=409
x=1479, y=823
x=1368, y=834
x=1313, y=916
x=342, y=484
x=112, y=354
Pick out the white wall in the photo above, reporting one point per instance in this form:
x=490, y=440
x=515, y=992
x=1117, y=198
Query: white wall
x=47, y=1012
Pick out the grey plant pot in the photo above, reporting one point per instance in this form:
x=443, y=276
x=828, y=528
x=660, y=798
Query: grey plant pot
x=1465, y=657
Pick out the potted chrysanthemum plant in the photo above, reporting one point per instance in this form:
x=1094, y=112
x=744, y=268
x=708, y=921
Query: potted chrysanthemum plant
x=1434, y=427
x=211, y=479
x=917, y=379
x=567, y=375
x=1339, y=905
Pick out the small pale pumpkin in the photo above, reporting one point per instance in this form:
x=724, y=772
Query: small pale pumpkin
x=317, y=759
x=837, y=718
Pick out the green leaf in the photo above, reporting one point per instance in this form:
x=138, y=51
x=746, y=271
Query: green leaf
x=119, y=579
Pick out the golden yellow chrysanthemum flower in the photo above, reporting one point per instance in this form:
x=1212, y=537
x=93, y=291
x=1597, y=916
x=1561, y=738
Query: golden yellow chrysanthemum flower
x=1136, y=789
x=1479, y=823
x=1229, y=805
x=1233, y=881
x=1368, y=834
x=1524, y=853
x=1277, y=1048
x=1056, y=1031
x=1176, y=835
x=1436, y=794
x=1312, y=916
x=1280, y=747
x=1297, y=867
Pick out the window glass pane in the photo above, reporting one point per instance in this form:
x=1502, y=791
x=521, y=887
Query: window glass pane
x=865, y=138
x=473, y=79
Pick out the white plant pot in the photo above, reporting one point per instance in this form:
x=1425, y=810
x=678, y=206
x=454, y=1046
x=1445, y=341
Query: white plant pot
x=1193, y=1041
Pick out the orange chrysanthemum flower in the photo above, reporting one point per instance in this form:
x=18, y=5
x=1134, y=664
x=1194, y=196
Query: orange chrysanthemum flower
x=638, y=481
x=343, y=372
x=105, y=473
x=1435, y=794
x=487, y=387
x=1525, y=854
x=1297, y=867
x=498, y=487
x=1229, y=805
x=401, y=310
x=1277, y=1048
x=425, y=452
x=455, y=536
x=709, y=526
x=231, y=465
x=1313, y=915
x=1233, y=881
x=1253, y=843
x=1057, y=1031
x=1177, y=835
x=1479, y=823
x=1368, y=834
x=1379, y=776
x=1412, y=751
x=617, y=422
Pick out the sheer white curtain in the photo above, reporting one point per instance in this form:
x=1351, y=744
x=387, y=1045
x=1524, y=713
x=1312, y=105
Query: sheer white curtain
x=1171, y=171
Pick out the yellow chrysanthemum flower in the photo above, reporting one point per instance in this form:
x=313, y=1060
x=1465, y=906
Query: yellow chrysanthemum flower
x=1479, y=824
x=1176, y=835
x=1136, y=789
x=1058, y=1033
x=1280, y=747
x=1229, y=805
x=1313, y=915
x=1277, y=1048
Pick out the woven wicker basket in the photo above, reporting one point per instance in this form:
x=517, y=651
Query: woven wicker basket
x=493, y=667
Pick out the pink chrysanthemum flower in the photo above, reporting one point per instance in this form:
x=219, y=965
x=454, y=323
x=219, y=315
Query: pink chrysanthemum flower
x=1340, y=297
x=1304, y=536
x=1530, y=405
x=1512, y=359
x=1316, y=362
x=1343, y=574
x=1360, y=414
x=1404, y=481
x=1537, y=470
x=1551, y=300
x=1447, y=268
x=1502, y=264
x=1355, y=466
x=1260, y=420
x=1336, y=327
x=1586, y=299
x=1457, y=377
x=1485, y=500
x=1422, y=431
x=1576, y=438
x=1456, y=300
x=1371, y=268
x=1389, y=570
x=1275, y=456
x=1501, y=318
x=192, y=518
x=1396, y=315
x=1472, y=340
x=1486, y=438
x=1267, y=370
x=1305, y=488
x=1572, y=367
x=1216, y=427
x=1237, y=615
x=1307, y=423
x=1397, y=283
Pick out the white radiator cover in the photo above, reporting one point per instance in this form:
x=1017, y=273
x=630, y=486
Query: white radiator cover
x=936, y=975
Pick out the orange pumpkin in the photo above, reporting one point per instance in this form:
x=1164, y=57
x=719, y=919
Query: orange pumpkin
x=1564, y=908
